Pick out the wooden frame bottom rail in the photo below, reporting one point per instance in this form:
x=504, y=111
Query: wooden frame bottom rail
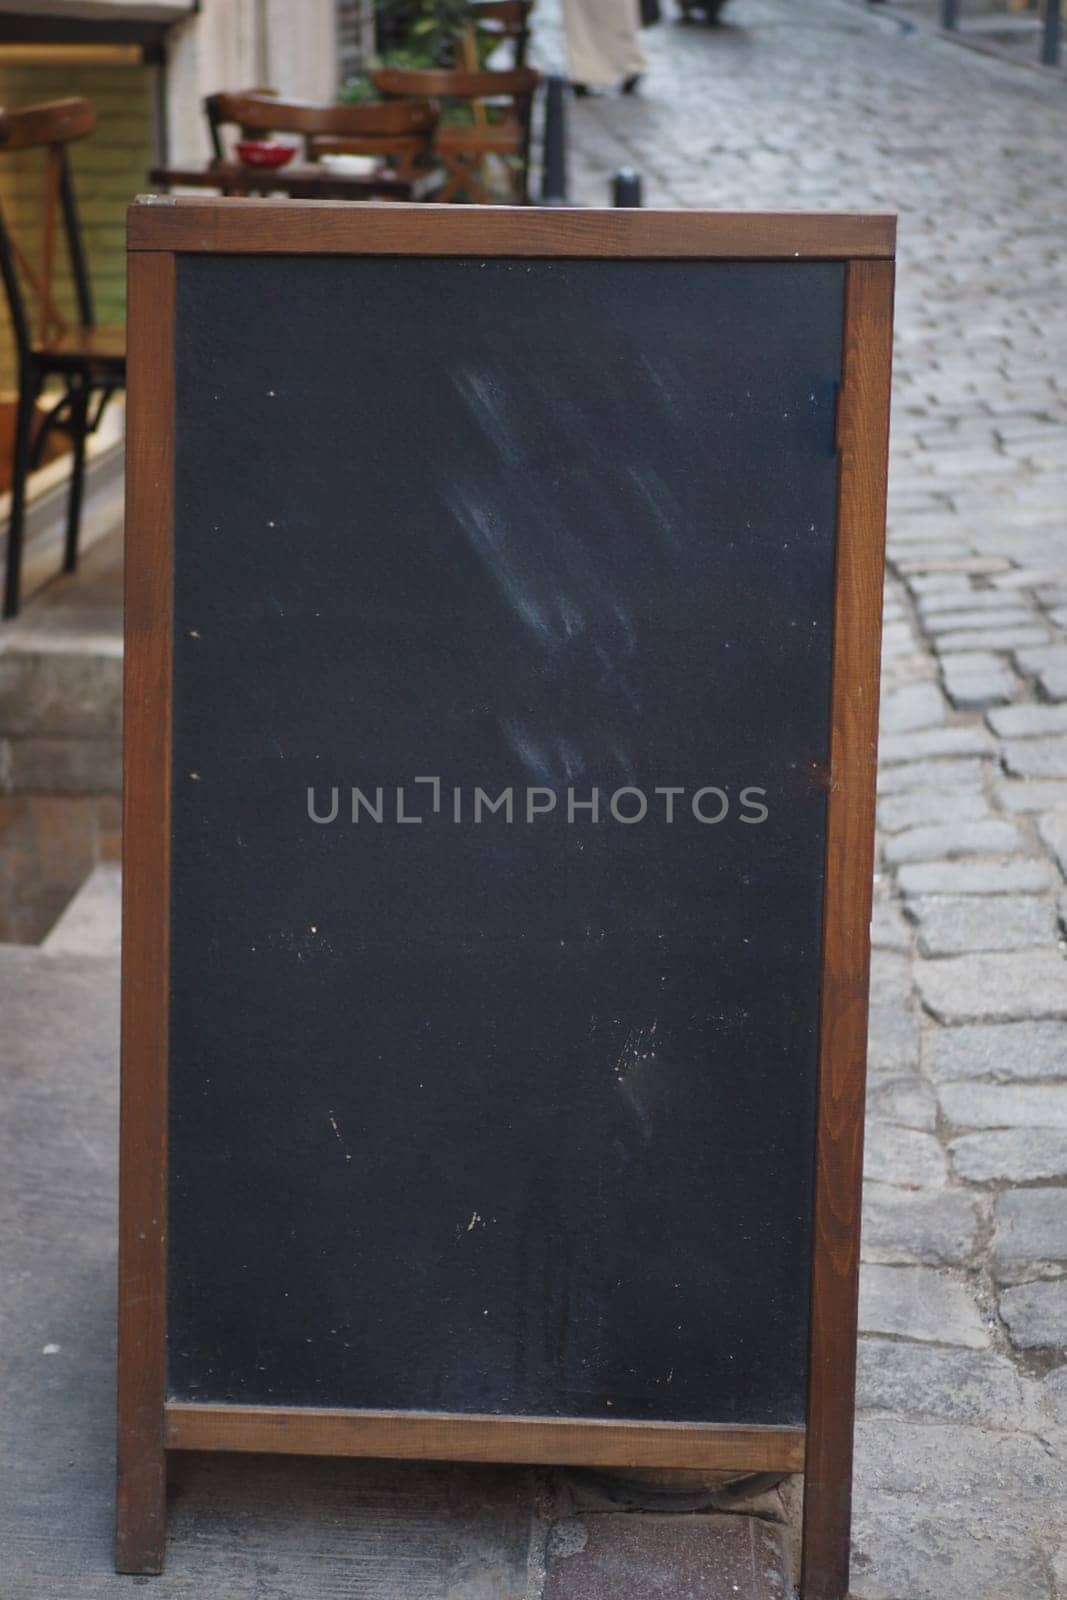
x=432, y=1436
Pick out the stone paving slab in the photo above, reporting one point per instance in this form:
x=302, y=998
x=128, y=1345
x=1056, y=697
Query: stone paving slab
x=917, y=808
x=999, y=986
x=702, y=1558
x=944, y=1384
x=905, y=1100
x=903, y=1155
x=930, y=1513
x=909, y=1227
x=954, y=924
x=980, y=1105
x=1036, y=1315
x=1030, y=1225
x=985, y=876
x=1011, y=1051
x=1010, y=1155
x=923, y=1304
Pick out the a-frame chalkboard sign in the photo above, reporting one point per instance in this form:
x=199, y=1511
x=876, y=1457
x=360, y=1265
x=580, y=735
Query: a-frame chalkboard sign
x=502, y=640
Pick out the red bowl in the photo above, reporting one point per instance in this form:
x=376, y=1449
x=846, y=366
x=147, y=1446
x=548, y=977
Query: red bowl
x=265, y=153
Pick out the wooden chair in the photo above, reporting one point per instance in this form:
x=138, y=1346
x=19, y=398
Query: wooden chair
x=397, y=133
x=509, y=20
x=501, y=104
x=88, y=362
x=398, y=130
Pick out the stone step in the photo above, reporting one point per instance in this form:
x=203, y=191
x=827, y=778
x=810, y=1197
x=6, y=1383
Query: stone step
x=61, y=683
x=92, y=923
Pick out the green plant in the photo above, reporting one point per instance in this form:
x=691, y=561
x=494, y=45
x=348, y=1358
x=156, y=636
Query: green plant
x=421, y=33
x=359, y=92
x=439, y=28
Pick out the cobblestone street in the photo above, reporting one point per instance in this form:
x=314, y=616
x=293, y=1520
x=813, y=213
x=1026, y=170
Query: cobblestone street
x=962, y=1445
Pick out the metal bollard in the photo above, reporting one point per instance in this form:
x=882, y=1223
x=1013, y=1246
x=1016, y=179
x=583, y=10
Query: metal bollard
x=1050, y=34
x=626, y=188
x=554, y=145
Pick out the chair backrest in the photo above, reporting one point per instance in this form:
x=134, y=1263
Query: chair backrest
x=506, y=19
x=257, y=112
x=482, y=90
x=442, y=83
x=397, y=131
x=50, y=126
x=53, y=122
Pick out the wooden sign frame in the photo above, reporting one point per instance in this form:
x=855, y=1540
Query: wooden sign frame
x=148, y=1425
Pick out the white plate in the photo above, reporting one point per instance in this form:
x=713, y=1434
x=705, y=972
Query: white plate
x=350, y=166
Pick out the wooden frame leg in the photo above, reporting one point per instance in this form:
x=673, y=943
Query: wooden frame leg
x=827, y=1539
x=863, y=429
x=141, y=1507
x=141, y=1511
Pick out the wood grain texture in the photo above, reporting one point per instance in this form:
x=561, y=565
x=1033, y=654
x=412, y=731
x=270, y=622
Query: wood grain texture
x=863, y=425
x=304, y=180
x=309, y=227
x=140, y=1510
x=414, y=1435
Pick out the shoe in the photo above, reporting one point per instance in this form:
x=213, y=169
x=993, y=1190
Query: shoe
x=581, y=90
x=629, y=85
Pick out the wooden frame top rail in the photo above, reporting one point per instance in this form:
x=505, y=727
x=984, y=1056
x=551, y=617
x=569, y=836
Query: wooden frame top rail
x=325, y=227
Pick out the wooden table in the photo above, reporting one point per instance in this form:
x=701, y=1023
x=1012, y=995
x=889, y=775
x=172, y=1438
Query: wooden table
x=299, y=180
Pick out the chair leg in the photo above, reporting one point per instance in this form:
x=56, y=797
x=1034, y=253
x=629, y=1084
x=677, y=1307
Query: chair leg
x=464, y=180
x=524, y=170
x=20, y=471
x=79, y=429
x=453, y=184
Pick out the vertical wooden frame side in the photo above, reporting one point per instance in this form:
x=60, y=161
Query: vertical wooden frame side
x=141, y=1464
x=863, y=425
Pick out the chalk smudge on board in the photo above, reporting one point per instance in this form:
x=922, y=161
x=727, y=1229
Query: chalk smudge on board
x=493, y=543
x=572, y=759
x=484, y=398
x=529, y=752
x=661, y=506
x=337, y=1132
x=639, y=1049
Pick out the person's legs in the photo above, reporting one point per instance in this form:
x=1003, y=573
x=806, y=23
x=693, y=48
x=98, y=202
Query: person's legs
x=603, y=41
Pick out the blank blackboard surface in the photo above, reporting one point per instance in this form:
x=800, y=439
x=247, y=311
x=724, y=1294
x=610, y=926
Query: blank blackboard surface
x=499, y=1117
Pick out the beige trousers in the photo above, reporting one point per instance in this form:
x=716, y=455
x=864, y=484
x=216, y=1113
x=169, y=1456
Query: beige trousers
x=603, y=42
